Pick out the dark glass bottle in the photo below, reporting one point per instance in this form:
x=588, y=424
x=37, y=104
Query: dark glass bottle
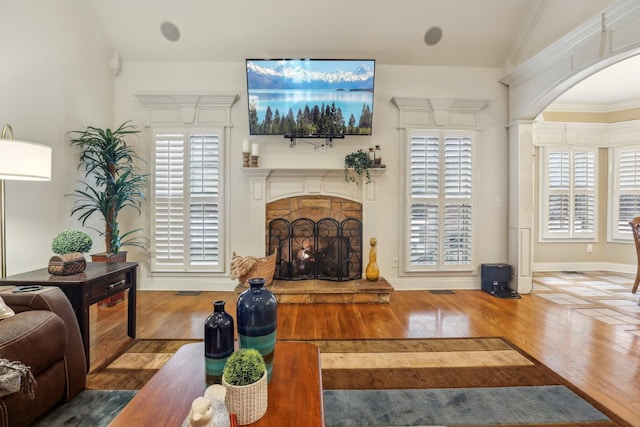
x=257, y=317
x=218, y=342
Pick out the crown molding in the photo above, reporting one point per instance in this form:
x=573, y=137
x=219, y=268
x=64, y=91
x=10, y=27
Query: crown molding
x=593, y=108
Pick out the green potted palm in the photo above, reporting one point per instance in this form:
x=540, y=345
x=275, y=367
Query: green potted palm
x=245, y=378
x=112, y=183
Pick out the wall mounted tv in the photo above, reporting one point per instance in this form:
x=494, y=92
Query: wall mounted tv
x=310, y=97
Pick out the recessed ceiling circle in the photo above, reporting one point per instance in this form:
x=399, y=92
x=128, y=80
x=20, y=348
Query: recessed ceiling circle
x=433, y=36
x=170, y=31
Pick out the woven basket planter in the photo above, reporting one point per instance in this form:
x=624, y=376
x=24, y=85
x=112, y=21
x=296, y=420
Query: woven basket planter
x=64, y=265
x=248, y=402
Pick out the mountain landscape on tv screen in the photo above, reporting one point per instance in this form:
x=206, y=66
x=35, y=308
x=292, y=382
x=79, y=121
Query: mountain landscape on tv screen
x=310, y=97
x=292, y=75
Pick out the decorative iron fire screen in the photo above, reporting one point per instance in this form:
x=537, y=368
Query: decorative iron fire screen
x=327, y=249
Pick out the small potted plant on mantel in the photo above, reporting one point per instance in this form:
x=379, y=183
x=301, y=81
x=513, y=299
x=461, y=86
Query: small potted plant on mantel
x=245, y=378
x=358, y=163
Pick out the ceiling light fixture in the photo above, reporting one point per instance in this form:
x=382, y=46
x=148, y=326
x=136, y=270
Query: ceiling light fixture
x=170, y=31
x=433, y=36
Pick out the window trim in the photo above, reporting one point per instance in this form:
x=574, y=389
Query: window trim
x=187, y=131
x=440, y=267
x=613, y=235
x=544, y=235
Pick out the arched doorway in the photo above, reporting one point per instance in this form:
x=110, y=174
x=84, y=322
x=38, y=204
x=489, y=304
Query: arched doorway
x=534, y=85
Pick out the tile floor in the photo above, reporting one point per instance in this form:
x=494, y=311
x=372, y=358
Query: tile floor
x=601, y=295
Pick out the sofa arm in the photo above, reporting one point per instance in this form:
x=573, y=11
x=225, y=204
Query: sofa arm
x=51, y=298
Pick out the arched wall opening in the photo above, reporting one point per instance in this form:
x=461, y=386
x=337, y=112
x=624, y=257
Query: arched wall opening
x=536, y=84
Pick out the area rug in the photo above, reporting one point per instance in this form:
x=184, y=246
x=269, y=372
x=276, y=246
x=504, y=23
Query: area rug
x=96, y=408
x=470, y=381
x=412, y=382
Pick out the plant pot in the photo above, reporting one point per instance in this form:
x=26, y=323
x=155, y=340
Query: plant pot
x=248, y=402
x=109, y=257
x=67, y=264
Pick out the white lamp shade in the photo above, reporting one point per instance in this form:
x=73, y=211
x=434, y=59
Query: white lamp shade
x=22, y=160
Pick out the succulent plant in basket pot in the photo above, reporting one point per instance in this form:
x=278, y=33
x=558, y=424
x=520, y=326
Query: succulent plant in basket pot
x=70, y=241
x=245, y=378
x=69, y=245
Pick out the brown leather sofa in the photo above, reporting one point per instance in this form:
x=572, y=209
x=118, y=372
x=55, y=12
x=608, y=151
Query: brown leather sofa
x=45, y=336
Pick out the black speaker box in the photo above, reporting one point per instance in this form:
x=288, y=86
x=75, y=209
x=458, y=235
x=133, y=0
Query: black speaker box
x=495, y=277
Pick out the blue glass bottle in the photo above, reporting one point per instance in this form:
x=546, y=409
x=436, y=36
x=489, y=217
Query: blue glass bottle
x=257, y=317
x=218, y=342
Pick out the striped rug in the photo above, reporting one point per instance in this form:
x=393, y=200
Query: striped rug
x=457, y=381
x=467, y=368
x=428, y=363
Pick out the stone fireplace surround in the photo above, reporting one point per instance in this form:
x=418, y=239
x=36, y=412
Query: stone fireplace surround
x=313, y=241
x=271, y=185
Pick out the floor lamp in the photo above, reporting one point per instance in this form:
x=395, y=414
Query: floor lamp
x=19, y=160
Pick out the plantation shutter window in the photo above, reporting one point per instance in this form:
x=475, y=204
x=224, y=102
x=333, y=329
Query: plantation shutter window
x=169, y=198
x=440, y=203
x=187, y=187
x=626, y=191
x=568, y=194
x=204, y=194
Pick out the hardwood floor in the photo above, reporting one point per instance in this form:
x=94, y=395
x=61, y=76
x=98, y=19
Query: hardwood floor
x=572, y=336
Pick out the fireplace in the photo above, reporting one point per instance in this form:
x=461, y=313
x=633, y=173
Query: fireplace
x=325, y=202
x=317, y=237
x=327, y=249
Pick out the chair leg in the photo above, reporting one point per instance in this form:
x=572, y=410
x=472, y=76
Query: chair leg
x=635, y=285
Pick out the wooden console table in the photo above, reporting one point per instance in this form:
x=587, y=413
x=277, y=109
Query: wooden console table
x=97, y=282
x=294, y=396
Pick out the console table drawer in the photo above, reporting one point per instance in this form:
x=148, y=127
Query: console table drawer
x=108, y=287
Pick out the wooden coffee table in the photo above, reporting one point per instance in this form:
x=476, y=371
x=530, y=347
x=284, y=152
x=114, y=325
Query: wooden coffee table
x=295, y=391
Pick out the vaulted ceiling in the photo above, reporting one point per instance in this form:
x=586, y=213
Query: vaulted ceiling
x=475, y=33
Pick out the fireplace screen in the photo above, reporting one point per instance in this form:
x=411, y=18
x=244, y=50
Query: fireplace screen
x=327, y=249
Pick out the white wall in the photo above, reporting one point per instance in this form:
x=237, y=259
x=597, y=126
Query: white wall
x=54, y=78
x=399, y=81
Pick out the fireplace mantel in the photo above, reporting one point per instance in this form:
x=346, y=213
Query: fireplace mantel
x=271, y=184
x=306, y=172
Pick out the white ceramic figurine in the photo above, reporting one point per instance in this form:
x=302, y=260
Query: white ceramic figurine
x=210, y=410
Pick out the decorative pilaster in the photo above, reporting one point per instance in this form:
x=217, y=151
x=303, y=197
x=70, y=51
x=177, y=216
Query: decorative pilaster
x=521, y=204
x=257, y=206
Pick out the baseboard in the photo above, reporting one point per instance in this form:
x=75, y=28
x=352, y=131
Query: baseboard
x=428, y=283
x=185, y=283
x=584, y=266
x=222, y=283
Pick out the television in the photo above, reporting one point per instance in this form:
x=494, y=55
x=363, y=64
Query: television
x=310, y=97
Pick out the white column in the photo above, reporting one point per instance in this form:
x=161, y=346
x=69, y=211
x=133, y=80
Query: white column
x=521, y=204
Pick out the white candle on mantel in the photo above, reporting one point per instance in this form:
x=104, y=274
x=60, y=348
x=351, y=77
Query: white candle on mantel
x=245, y=145
x=254, y=149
